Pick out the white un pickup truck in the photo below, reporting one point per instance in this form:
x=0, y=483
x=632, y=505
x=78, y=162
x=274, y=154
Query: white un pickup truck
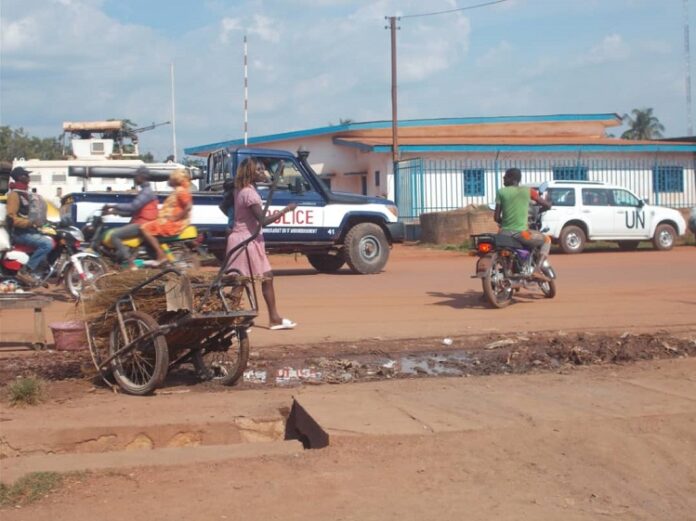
x=585, y=211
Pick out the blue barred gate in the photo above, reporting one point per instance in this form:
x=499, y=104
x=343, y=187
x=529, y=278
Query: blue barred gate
x=434, y=185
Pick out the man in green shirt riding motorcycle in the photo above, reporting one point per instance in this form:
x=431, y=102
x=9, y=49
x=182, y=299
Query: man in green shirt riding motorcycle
x=512, y=214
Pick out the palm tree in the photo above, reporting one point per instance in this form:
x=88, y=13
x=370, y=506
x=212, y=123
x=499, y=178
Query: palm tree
x=642, y=125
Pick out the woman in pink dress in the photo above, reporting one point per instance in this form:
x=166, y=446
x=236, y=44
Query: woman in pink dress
x=248, y=216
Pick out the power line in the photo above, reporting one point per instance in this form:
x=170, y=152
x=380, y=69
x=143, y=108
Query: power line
x=452, y=10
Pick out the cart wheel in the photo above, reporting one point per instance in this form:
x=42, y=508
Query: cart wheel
x=225, y=367
x=143, y=368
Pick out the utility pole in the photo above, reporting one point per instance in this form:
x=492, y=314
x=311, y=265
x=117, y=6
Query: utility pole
x=171, y=75
x=395, y=121
x=687, y=58
x=246, y=93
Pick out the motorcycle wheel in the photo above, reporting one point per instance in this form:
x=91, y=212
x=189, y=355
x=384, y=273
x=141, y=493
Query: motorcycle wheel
x=548, y=288
x=93, y=269
x=496, y=286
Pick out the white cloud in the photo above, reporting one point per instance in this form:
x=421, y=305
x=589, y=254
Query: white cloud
x=17, y=35
x=266, y=28
x=611, y=49
x=228, y=25
x=496, y=55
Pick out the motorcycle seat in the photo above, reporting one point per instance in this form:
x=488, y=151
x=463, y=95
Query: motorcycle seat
x=503, y=240
x=189, y=233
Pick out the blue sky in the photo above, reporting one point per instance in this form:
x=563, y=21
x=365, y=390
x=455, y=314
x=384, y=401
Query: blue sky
x=313, y=62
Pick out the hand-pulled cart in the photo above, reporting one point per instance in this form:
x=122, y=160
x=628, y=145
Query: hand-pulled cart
x=171, y=318
x=168, y=319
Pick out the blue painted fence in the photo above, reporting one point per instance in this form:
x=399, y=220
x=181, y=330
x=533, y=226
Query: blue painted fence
x=434, y=185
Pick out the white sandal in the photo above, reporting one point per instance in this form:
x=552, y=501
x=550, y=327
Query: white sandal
x=285, y=324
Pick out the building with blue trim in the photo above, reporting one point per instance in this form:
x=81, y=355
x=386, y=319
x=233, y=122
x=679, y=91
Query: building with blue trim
x=452, y=162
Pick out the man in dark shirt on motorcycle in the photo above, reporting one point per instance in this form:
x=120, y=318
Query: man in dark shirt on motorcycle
x=24, y=230
x=512, y=214
x=142, y=209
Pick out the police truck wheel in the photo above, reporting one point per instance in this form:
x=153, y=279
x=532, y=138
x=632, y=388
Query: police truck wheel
x=325, y=263
x=664, y=237
x=366, y=248
x=572, y=239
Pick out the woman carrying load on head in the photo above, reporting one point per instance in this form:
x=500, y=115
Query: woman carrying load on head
x=248, y=217
x=174, y=216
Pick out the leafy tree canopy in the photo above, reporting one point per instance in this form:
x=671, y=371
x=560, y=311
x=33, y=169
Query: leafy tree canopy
x=16, y=143
x=643, y=125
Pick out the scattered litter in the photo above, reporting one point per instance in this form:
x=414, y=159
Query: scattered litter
x=255, y=376
x=447, y=341
x=501, y=343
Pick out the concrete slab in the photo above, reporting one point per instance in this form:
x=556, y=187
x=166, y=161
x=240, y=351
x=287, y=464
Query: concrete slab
x=458, y=404
x=103, y=421
x=15, y=468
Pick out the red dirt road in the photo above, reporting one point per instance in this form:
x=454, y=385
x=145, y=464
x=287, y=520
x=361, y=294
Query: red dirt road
x=428, y=293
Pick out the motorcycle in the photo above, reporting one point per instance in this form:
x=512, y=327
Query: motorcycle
x=505, y=265
x=67, y=262
x=181, y=250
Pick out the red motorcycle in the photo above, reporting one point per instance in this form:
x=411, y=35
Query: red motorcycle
x=66, y=263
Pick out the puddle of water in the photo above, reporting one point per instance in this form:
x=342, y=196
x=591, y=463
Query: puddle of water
x=356, y=368
x=449, y=364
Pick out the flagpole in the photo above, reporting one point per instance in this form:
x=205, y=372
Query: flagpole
x=171, y=74
x=246, y=93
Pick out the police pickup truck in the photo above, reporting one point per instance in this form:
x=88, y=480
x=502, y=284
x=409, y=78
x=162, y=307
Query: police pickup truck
x=331, y=229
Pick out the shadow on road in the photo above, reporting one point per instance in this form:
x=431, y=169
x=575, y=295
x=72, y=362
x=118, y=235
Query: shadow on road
x=289, y=272
x=469, y=300
x=476, y=300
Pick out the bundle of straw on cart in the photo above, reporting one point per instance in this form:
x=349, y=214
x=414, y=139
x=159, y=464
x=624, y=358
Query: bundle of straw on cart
x=97, y=305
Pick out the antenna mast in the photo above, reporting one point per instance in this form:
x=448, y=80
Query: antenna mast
x=687, y=58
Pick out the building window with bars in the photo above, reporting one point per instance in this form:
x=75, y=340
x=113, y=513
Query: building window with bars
x=474, y=184
x=570, y=173
x=668, y=179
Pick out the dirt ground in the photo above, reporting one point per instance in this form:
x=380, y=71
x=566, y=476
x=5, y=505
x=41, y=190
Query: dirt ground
x=532, y=466
x=612, y=308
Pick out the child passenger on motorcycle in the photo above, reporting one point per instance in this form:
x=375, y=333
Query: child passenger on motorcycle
x=142, y=209
x=173, y=217
x=512, y=214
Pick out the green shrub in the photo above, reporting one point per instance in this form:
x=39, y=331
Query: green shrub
x=25, y=391
x=29, y=488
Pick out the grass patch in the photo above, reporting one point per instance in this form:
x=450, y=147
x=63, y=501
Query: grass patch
x=29, y=488
x=465, y=246
x=25, y=391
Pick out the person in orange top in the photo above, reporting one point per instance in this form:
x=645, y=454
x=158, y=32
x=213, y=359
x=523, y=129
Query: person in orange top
x=173, y=217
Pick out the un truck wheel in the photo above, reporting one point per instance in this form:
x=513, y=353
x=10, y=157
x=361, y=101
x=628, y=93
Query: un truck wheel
x=366, y=248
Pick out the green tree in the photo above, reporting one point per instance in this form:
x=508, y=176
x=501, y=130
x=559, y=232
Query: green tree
x=16, y=143
x=642, y=125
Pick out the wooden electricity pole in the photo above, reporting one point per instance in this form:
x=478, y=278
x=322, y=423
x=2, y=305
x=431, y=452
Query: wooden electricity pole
x=395, y=121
